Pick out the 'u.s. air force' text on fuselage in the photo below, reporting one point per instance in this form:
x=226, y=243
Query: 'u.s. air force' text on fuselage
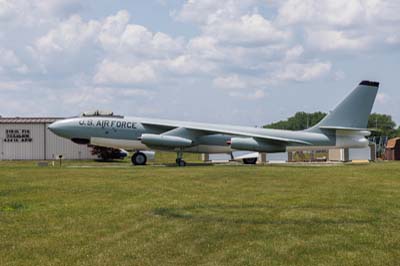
x=108, y=124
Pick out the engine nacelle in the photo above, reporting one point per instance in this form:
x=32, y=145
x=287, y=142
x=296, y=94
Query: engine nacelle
x=251, y=144
x=154, y=140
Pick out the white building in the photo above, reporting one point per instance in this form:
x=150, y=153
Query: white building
x=30, y=139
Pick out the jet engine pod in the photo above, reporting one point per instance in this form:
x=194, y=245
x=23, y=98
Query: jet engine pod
x=154, y=140
x=251, y=144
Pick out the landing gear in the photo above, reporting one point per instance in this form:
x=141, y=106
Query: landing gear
x=179, y=161
x=139, y=158
x=250, y=160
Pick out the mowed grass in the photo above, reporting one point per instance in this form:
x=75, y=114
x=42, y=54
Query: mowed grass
x=199, y=215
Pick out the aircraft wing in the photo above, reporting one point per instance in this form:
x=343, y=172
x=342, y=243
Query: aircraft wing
x=208, y=129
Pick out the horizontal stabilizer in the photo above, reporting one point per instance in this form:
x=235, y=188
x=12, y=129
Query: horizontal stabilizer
x=344, y=128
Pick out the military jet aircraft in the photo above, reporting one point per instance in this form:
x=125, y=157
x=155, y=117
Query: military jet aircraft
x=344, y=127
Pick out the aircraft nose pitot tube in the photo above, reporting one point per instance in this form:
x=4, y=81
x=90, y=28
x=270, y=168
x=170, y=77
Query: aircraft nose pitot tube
x=251, y=144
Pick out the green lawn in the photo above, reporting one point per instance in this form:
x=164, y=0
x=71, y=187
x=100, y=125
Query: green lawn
x=116, y=214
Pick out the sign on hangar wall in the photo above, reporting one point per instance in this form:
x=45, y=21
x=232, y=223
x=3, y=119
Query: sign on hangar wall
x=17, y=135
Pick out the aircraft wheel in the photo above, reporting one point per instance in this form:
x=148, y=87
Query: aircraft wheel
x=139, y=158
x=180, y=162
x=250, y=160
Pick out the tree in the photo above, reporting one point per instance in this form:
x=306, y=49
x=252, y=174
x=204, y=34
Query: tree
x=300, y=121
x=382, y=125
x=397, y=133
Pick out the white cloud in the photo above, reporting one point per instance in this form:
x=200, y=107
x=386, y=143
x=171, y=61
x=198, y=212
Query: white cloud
x=12, y=11
x=253, y=95
x=294, y=53
x=232, y=36
x=229, y=82
x=343, y=24
x=70, y=35
x=89, y=97
x=112, y=27
x=118, y=36
x=116, y=73
x=163, y=42
x=52, y=7
x=114, y=34
x=233, y=22
x=205, y=47
x=393, y=39
x=189, y=65
x=303, y=72
x=34, y=13
x=237, y=48
x=13, y=85
x=382, y=10
x=8, y=57
x=7, y=10
x=337, y=40
x=135, y=92
x=244, y=87
x=135, y=36
x=338, y=12
x=10, y=62
x=113, y=44
x=248, y=30
x=205, y=11
x=140, y=40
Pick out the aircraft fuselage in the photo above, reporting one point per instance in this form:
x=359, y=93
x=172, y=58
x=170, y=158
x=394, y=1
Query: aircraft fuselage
x=126, y=132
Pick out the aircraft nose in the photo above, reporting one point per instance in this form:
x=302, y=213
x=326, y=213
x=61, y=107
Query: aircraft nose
x=56, y=127
x=67, y=128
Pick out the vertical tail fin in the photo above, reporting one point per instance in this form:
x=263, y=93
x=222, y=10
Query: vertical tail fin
x=353, y=111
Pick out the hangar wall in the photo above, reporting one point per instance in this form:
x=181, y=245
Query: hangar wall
x=21, y=147
x=29, y=139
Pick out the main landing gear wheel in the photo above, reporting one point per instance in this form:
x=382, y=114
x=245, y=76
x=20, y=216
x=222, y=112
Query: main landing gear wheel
x=139, y=158
x=250, y=161
x=180, y=162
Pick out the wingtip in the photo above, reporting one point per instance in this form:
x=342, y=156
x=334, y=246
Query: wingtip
x=370, y=83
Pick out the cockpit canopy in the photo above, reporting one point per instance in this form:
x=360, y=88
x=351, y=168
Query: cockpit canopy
x=100, y=113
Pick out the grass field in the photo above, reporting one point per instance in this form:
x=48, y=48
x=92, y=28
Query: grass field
x=114, y=214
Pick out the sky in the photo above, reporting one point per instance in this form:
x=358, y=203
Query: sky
x=245, y=62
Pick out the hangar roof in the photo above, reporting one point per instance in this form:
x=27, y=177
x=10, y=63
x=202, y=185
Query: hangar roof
x=28, y=120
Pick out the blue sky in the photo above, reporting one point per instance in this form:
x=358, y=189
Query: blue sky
x=245, y=62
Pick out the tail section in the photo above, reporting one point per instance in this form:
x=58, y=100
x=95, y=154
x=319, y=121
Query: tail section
x=353, y=112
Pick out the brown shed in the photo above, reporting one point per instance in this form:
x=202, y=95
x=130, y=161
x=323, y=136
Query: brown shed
x=393, y=149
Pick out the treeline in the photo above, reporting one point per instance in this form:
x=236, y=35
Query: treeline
x=378, y=124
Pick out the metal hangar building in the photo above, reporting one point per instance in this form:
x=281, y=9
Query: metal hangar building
x=29, y=139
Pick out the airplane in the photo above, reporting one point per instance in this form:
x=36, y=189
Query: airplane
x=344, y=127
